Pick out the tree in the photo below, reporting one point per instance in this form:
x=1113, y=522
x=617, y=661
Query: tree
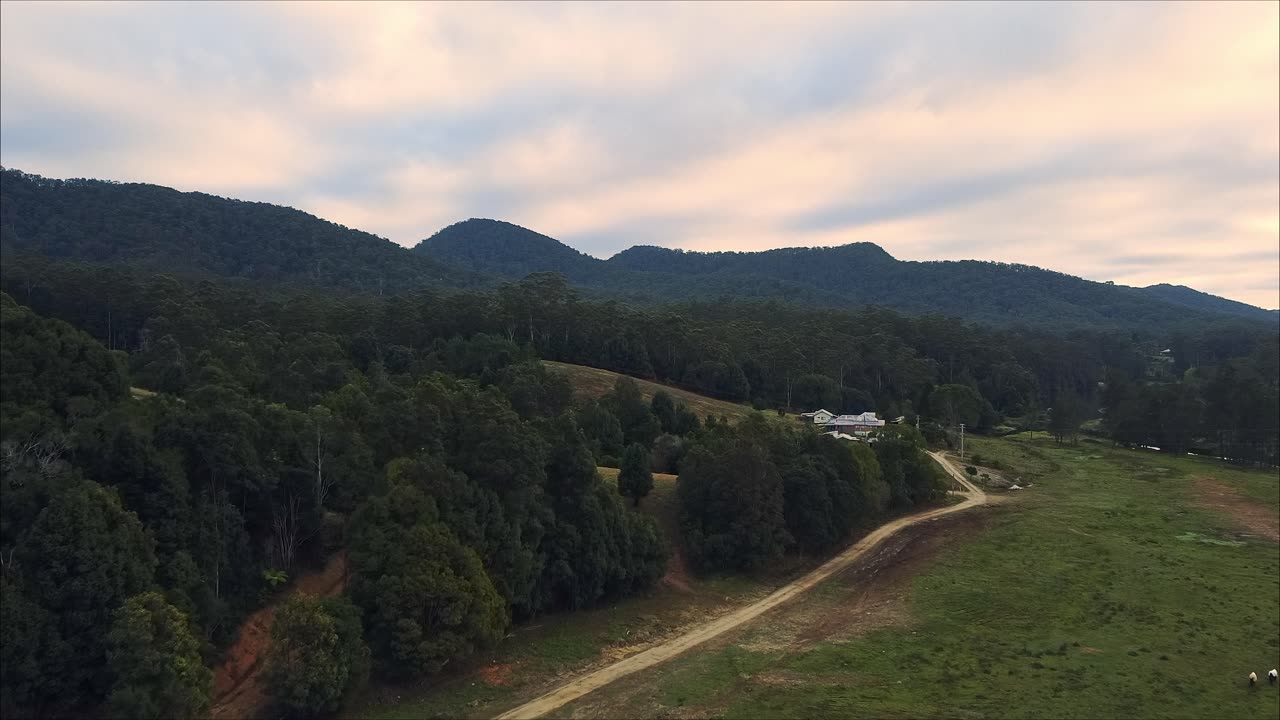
x=955, y=404
x=317, y=655
x=664, y=409
x=809, y=510
x=731, y=504
x=817, y=391
x=50, y=373
x=666, y=454
x=635, y=480
x=685, y=421
x=425, y=596
x=1065, y=416
x=156, y=662
x=638, y=424
x=82, y=558
x=601, y=428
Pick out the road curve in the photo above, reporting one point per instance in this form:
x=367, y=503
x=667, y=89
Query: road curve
x=657, y=654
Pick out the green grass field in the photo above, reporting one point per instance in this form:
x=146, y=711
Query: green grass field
x=1106, y=590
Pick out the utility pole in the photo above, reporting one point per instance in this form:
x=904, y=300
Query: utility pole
x=962, y=441
x=917, y=421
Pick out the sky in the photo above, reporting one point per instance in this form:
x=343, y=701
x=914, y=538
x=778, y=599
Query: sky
x=1138, y=142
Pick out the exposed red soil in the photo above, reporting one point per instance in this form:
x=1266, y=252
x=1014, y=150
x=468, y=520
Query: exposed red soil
x=497, y=674
x=1248, y=514
x=237, y=686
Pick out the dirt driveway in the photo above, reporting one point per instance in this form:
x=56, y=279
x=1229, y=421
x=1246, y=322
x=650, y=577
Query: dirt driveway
x=581, y=686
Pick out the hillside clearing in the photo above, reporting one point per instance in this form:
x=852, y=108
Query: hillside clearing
x=591, y=383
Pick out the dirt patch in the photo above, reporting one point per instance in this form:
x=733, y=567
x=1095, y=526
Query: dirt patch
x=237, y=686
x=1251, y=516
x=677, y=575
x=1086, y=650
x=497, y=674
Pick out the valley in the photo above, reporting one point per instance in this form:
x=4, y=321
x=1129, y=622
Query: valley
x=666, y=361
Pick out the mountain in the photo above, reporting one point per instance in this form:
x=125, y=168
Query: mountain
x=154, y=228
x=157, y=228
x=506, y=250
x=1196, y=300
x=850, y=275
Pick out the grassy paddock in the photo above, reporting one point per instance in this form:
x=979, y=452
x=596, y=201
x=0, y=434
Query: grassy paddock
x=1103, y=591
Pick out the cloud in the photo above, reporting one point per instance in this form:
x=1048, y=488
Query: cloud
x=1133, y=142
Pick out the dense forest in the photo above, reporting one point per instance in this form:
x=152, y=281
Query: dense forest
x=181, y=435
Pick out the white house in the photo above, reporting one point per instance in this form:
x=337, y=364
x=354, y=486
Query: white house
x=820, y=417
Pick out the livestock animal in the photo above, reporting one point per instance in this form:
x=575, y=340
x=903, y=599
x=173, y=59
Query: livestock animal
x=1253, y=679
x=1271, y=676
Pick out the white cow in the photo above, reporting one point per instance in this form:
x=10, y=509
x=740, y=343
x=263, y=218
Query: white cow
x=1253, y=679
x=1271, y=676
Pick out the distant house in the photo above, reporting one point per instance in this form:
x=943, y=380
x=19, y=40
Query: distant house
x=820, y=417
x=845, y=426
x=860, y=424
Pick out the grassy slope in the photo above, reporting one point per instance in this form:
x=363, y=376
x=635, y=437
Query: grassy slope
x=1086, y=598
x=589, y=382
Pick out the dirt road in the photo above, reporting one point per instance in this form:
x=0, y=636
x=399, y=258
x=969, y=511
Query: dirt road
x=579, y=687
x=237, y=682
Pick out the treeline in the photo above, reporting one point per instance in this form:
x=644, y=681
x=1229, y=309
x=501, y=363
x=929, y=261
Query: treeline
x=1230, y=410
x=467, y=481
x=767, y=353
x=751, y=492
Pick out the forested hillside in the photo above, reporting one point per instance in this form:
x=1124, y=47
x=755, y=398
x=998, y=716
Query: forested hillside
x=160, y=229
x=1196, y=300
x=847, y=276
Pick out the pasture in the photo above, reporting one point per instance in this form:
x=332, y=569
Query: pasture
x=1122, y=584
